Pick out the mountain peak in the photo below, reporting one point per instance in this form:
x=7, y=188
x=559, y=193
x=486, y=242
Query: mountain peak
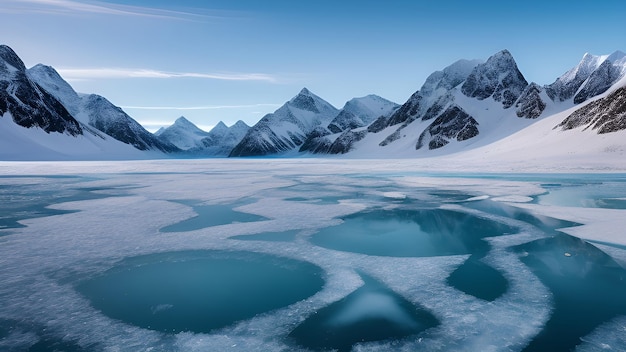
x=182, y=121
x=220, y=125
x=9, y=56
x=304, y=91
x=240, y=124
x=616, y=56
x=499, y=78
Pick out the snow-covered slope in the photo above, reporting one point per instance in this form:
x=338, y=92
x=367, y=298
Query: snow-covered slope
x=547, y=145
x=287, y=128
x=19, y=143
x=484, y=104
x=605, y=115
x=97, y=112
x=359, y=112
x=221, y=139
x=592, y=76
x=356, y=113
x=26, y=103
x=183, y=134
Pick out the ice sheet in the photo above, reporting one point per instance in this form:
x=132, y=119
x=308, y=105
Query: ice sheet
x=42, y=261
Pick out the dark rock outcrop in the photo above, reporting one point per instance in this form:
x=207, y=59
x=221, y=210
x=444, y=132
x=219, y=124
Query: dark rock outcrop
x=499, y=78
x=454, y=123
x=605, y=115
x=28, y=103
x=530, y=105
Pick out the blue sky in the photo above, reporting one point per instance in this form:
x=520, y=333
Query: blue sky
x=229, y=60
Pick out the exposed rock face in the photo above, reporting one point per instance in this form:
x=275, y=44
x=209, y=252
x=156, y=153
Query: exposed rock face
x=360, y=112
x=356, y=113
x=594, y=75
x=28, y=103
x=317, y=141
x=608, y=73
x=113, y=121
x=287, y=128
x=566, y=86
x=345, y=142
x=454, y=123
x=430, y=101
x=96, y=111
x=499, y=78
x=434, y=96
x=605, y=115
x=530, y=105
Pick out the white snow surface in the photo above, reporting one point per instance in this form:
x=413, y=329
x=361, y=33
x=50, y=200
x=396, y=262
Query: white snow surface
x=370, y=107
x=183, y=134
x=19, y=143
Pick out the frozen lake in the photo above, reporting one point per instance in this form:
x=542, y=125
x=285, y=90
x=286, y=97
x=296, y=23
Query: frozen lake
x=308, y=254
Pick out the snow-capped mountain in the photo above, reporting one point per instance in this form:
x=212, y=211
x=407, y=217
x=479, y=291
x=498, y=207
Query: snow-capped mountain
x=356, y=113
x=472, y=104
x=592, y=76
x=468, y=109
x=96, y=111
x=287, y=128
x=221, y=139
x=359, y=112
x=183, y=134
x=35, y=125
x=27, y=103
x=498, y=78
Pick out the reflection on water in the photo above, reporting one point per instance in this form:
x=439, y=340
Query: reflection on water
x=371, y=313
x=543, y=223
x=199, y=291
x=411, y=233
x=478, y=279
x=588, y=287
x=587, y=195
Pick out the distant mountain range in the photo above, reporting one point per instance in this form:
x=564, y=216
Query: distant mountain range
x=466, y=106
x=195, y=142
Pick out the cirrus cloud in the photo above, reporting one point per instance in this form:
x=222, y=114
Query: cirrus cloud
x=77, y=74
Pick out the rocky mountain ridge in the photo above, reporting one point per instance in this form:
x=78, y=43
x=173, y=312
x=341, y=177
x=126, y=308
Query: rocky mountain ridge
x=465, y=105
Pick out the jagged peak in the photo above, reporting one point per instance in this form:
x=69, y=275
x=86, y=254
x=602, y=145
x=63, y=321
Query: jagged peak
x=240, y=124
x=220, y=124
x=9, y=56
x=305, y=91
x=502, y=57
x=219, y=128
x=616, y=56
x=183, y=121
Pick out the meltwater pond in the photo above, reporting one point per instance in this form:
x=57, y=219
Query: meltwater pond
x=199, y=291
x=282, y=255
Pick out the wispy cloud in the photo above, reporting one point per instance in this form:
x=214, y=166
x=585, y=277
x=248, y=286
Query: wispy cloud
x=68, y=7
x=208, y=107
x=74, y=74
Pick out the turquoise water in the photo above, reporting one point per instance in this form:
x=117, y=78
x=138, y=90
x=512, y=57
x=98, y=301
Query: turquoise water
x=32, y=197
x=411, y=233
x=84, y=292
x=210, y=215
x=199, y=291
x=371, y=313
x=588, y=286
